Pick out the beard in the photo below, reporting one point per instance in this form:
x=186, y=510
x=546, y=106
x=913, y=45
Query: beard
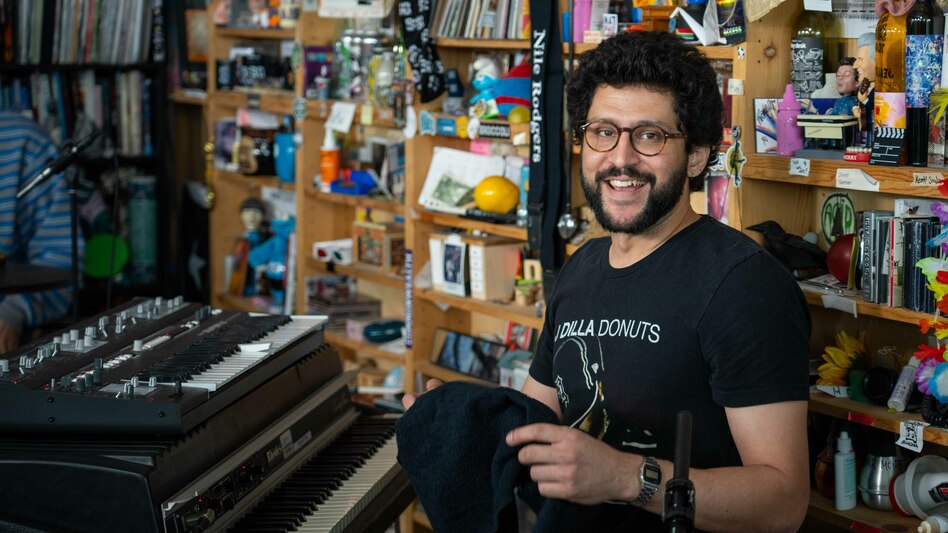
x=660, y=201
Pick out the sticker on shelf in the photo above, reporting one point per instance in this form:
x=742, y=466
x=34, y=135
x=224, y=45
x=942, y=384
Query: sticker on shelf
x=473, y=128
x=735, y=87
x=912, y=435
x=446, y=126
x=836, y=391
x=366, y=115
x=299, y=108
x=840, y=303
x=411, y=123
x=927, y=179
x=855, y=179
x=799, y=166
x=310, y=5
x=341, y=116
x=426, y=123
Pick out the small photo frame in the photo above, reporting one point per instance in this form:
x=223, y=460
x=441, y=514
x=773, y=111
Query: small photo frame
x=469, y=355
x=453, y=261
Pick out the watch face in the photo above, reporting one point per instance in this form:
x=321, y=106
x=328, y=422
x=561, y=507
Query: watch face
x=652, y=475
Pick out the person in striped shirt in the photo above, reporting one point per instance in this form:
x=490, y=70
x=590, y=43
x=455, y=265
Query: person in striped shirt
x=34, y=229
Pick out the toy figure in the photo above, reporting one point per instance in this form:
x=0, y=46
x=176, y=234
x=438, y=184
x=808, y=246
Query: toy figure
x=486, y=76
x=272, y=254
x=253, y=213
x=846, y=86
x=865, y=67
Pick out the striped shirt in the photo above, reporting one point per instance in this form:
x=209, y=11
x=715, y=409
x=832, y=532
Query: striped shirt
x=34, y=229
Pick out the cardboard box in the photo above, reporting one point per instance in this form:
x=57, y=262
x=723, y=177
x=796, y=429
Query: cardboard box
x=379, y=245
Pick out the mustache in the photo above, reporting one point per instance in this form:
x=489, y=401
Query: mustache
x=627, y=172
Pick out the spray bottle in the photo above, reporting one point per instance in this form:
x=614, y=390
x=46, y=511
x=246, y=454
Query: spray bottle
x=329, y=159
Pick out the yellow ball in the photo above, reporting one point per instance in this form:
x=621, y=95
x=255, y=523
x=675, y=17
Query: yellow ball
x=496, y=194
x=519, y=115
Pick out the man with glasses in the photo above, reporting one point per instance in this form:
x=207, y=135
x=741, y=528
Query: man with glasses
x=673, y=311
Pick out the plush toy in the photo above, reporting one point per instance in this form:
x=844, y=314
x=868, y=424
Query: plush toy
x=486, y=76
x=272, y=253
x=514, y=90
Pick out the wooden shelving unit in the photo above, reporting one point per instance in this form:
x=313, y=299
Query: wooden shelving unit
x=356, y=201
x=861, y=518
x=446, y=374
x=340, y=340
x=864, y=308
x=515, y=313
x=871, y=415
x=454, y=221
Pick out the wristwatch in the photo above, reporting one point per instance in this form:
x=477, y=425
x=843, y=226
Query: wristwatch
x=650, y=476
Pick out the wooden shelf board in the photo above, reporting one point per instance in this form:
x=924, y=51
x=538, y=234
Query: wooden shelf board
x=256, y=33
x=892, y=180
x=518, y=134
x=446, y=374
x=251, y=181
x=711, y=52
x=396, y=281
x=515, y=313
x=340, y=340
x=383, y=117
x=871, y=415
x=860, y=518
x=864, y=308
x=241, y=303
x=271, y=100
x=503, y=230
x=179, y=96
x=484, y=44
x=356, y=201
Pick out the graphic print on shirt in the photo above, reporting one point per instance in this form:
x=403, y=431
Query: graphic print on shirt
x=594, y=419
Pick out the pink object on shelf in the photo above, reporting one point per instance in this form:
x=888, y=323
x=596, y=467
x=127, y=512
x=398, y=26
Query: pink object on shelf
x=789, y=135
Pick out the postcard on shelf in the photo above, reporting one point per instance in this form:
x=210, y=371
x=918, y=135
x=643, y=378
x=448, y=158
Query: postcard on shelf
x=454, y=255
x=453, y=174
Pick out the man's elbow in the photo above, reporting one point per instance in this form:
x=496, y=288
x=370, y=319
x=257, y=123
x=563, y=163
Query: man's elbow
x=792, y=511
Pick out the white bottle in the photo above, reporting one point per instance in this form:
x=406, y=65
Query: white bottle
x=935, y=523
x=844, y=463
x=903, y=387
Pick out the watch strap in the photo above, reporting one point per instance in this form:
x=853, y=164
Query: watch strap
x=650, y=477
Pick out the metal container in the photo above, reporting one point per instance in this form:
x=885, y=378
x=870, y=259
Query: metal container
x=874, y=480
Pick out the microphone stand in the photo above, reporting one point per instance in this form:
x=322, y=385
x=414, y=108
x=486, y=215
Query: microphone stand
x=70, y=152
x=679, y=513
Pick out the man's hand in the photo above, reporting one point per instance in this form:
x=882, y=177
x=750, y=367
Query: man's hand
x=570, y=465
x=409, y=399
x=9, y=337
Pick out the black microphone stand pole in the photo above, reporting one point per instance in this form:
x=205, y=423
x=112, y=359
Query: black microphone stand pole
x=70, y=153
x=679, y=512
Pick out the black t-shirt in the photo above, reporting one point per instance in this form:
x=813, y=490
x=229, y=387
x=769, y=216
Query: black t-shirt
x=708, y=320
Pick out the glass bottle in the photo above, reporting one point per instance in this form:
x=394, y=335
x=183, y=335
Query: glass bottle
x=924, y=42
x=814, y=50
x=890, y=71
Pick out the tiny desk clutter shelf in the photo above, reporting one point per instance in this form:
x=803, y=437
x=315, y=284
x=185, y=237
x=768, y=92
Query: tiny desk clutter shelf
x=400, y=255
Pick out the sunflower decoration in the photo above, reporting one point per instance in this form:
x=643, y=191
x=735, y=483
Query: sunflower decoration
x=849, y=353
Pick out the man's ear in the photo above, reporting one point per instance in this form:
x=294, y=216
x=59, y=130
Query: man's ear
x=697, y=160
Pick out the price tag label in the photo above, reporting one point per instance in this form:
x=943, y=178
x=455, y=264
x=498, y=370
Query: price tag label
x=856, y=179
x=799, y=167
x=253, y=100
x=926, y=179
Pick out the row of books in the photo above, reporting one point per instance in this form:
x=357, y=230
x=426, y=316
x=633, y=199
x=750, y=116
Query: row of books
x=116, y=32
x=69, y=103
x=890, y=245
x=482, y=19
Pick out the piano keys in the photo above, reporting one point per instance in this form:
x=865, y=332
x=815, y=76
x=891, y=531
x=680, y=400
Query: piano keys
x=252, y=406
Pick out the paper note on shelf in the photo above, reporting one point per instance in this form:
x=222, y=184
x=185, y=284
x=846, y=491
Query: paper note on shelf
x=855, y=179
x=846, y=305
x=341, y=116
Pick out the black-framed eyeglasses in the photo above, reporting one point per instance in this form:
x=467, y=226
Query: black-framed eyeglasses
x=646, y=139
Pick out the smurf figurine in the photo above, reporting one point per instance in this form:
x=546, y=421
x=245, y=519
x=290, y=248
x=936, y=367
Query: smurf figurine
x=846, y=86
x=486, y=76
x=272, y=255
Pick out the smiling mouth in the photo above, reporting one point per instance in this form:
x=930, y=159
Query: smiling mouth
x=616, y=183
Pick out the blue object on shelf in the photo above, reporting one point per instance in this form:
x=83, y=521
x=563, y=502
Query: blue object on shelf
x=359, y=182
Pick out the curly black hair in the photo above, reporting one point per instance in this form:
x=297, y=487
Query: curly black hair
x=658, y=61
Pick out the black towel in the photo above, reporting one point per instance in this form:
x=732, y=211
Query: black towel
x=452, y=444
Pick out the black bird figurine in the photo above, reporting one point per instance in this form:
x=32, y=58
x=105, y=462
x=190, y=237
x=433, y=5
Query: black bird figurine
x=801, y=257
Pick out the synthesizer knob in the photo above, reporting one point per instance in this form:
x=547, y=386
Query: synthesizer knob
x=23, y=359
x=104, y=326
x=129, y=389
x=138, y=345
x=80, y=385
x=30, y=362
x=57, y=338
x=158, y=301
x=4, y=366
x=153, y=381
x=87, y=341
x=89, y=379
x=78, y=344
x=64, y=382
x=74, y=335
x=97, y=376
x=119, y=325
x=97, y=364
x=54, y=351
x=52, y=384
x=134, y=381
x=90, y=331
